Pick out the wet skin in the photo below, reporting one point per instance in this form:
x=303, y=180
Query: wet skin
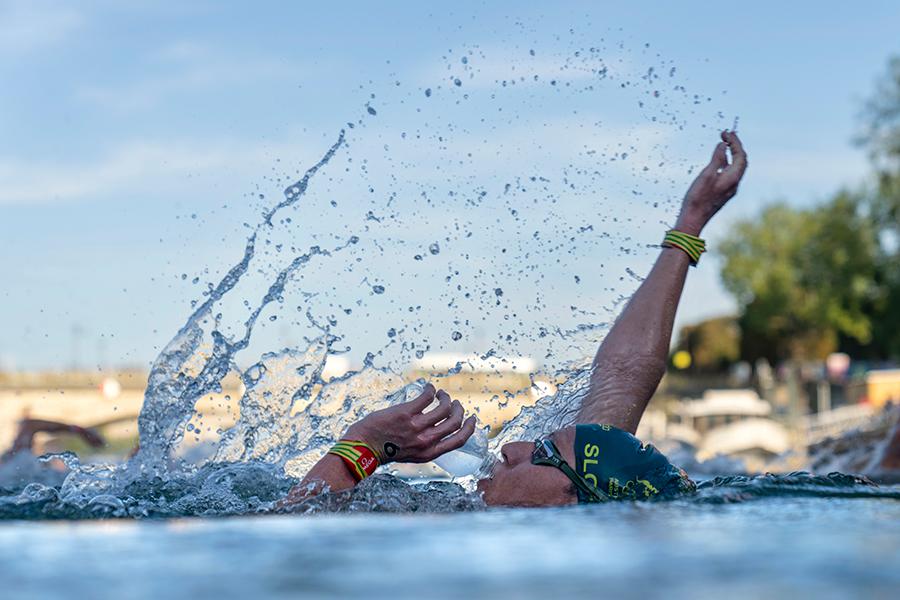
x=516, y=482
x=626, y=372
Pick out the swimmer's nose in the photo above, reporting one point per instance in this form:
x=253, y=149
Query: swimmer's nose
x=516, y=452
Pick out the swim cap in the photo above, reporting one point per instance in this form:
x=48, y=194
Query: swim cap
x=617, y=463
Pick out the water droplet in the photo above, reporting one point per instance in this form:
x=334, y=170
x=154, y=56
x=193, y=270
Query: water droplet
x=456, y=336
x=428, y=92
x=457, y=82
x=434, y=248
x=371, y=110
x=378, y=289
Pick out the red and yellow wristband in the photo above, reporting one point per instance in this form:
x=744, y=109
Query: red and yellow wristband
x=687, y=243
x=359, y=457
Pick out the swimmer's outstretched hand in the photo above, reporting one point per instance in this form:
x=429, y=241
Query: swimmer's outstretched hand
x=407, y=433
x=716, y=184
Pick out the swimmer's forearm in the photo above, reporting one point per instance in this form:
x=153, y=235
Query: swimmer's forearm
x=329, y=473
x=36, y=425
x=29, y=427
x=632, y=358
x=332, y=471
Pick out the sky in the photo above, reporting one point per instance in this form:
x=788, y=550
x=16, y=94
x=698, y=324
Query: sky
x=140, y=142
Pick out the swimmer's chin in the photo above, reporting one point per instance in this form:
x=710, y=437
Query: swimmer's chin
x=484, y=483
x=483, y=487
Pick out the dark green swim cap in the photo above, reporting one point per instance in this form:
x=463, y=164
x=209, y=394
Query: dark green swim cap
x=618, y=464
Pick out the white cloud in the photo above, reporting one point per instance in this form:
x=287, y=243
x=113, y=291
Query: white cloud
x=136, y=165
x=811, y=169
x=539, y=145
x=133, y=166
x=486, y=67
x=27, y=25
x=187, y=67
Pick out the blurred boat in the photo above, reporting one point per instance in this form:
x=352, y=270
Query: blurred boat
x=736, y=423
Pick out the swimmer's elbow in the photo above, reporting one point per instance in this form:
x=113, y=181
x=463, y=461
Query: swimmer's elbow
x=637, y=372
x=620, y=389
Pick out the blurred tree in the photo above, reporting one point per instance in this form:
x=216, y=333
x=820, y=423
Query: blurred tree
x=803, y=278
x=881, y=121
x=811, y=281
x=881, y=136
x=713, y=344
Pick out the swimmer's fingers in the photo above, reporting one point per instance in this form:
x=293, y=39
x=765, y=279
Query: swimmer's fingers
x=718, y=161
x=433, y=417
x=732, y=173
x=457, y=440
x=423, y=400
x=449, y=425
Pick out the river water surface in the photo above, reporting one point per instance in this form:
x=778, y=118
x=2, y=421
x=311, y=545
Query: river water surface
x=774, y=548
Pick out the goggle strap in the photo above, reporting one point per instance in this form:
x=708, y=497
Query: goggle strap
x=579, y=482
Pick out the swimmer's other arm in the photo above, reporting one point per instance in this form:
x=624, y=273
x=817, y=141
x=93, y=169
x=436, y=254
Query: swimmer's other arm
x=401, y=433
x=632, y=358
x=28, y=428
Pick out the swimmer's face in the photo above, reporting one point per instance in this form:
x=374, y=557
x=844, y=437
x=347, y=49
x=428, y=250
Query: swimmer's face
x=516, y=482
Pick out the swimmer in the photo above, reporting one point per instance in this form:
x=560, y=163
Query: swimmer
x=599, y=458
x=24, y=440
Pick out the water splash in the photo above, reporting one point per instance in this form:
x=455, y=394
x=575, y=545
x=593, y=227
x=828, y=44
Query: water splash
x=199, y=357
x=245, y=488
x=478, y=252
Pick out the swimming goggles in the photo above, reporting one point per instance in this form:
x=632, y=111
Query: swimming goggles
x=546, y=453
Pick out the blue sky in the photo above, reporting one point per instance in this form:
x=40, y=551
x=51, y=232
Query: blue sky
x=137, y=139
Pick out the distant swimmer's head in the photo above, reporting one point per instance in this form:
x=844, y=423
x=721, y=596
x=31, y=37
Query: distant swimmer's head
x=582, y=464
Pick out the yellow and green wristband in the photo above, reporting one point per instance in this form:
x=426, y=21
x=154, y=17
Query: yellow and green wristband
x=359, y=457
x=687, y=243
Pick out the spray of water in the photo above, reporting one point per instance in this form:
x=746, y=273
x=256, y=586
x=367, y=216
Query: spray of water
x=474, y=252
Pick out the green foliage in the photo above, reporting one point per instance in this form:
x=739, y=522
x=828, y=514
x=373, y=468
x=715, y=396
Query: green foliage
x=803, y=278
x=811, y=281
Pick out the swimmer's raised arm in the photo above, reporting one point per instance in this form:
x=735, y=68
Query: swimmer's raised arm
x=29, y=427
x=632, y=358
x=400, y=433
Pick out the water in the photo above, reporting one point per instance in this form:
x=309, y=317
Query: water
x=780, y=548
x=329, y=269
x=824, y=535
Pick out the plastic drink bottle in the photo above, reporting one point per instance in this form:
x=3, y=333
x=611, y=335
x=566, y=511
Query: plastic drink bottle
x=472, y=458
